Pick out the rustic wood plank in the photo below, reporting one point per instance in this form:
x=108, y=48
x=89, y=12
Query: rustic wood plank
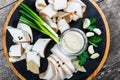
x=6, y=2
x=3, y=13
x=111, y=69
x=5, y=72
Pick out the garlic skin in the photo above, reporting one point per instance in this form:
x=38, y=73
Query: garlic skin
x=97, y=31
x=95, y=55
x=91, y=49
x=90, y=34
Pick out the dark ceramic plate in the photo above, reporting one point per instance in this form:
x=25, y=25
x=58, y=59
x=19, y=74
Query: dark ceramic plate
x=91, y=66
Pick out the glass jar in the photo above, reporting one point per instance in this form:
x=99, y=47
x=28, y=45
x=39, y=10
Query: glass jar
x=73, y=41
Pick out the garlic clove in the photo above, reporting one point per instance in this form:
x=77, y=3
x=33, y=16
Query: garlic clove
x=97, y=31
x=86, y=23
x=91, y=49
x=90, y=34
x=95, y=55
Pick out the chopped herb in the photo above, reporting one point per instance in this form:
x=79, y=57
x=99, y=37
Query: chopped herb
x=95, y=39
x=91, y=27
x=93, y=20
x=83, y=58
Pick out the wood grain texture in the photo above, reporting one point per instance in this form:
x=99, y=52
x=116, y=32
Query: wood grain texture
x=111, y=69
x=4, y=3
x=4, y=39
x=5, y=72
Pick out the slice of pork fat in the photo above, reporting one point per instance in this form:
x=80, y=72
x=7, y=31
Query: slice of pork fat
x=19, y=35
x=62, y=14
x=33, y=62
x=67, y=16
x=40, y=4
x=51, y=1
x=49, y=73
x=28, y=48
x=26, y=28
x=77, y=9
x=40, y=46
x=48, y=11
x=15, y=50
x=24, y=45
x=82, y=4
x=75, y=17
x=57, y=66
x=58, y=4
x=55, y=50
x=50, y=22
x=16, y=59
x=63, y=25
x=62, y=68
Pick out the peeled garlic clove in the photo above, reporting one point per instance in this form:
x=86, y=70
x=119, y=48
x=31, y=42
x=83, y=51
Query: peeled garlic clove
x=97, y=31
x=90, y=34
x=94, y=56
x=91, y=49
x=86, y=23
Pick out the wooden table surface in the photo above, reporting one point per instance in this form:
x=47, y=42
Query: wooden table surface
x=111, y=68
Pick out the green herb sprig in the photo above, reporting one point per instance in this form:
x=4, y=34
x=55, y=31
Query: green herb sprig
x=30, y=18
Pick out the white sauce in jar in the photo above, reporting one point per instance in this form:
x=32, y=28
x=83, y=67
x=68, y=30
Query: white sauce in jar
x=72, y=42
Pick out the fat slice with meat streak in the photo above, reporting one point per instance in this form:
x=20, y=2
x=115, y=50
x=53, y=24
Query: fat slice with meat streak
x=49, y=73
x=55, y=50
x=33, y=62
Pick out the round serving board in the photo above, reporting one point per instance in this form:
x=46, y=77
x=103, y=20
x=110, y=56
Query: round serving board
x=92, y=66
